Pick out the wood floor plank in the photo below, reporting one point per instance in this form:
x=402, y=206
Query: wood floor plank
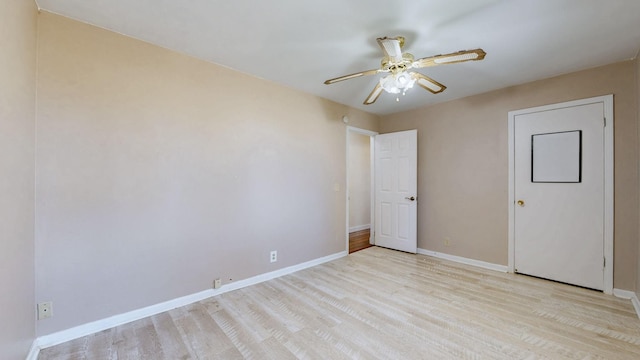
x=99, y=345
x=203, y=334
x=126, y=343
x=381, y=304
x=359, y=240
x=75, y=349
x=267, y=349
x=173, y=346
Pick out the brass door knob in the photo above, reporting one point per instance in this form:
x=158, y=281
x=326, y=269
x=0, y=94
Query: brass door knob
x=520, y=203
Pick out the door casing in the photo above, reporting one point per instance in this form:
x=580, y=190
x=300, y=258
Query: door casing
x=607, y=101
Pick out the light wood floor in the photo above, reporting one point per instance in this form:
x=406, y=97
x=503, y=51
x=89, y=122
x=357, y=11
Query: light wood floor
x=359, y=240
x=381, y=304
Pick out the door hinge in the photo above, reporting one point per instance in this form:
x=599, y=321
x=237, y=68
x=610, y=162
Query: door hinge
x=605, y=121
x=604, y=262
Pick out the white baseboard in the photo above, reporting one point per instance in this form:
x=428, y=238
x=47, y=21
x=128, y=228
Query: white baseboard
x=463, y=260
x=34, y=351
x=359, y=227
x=103, y=324
x=630, y=295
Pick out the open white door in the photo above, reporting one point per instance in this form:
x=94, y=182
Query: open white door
x=396, y=165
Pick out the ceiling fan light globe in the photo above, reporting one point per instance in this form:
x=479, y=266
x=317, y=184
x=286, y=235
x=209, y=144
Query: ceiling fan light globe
x=405, y=81
x=389, y=84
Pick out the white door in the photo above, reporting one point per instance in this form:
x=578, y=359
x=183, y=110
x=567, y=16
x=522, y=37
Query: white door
x=396, y=156
x=559, y=194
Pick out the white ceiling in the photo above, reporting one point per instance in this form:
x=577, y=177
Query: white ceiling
x=302, y=43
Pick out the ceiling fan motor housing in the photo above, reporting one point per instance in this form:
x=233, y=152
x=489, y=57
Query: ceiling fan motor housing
x=389, y=65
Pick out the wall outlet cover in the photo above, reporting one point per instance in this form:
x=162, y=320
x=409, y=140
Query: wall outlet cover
x=45, y=310
x=217, y=283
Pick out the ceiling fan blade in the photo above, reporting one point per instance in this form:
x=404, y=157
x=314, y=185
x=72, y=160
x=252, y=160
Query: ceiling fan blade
x=352, y=76
x=460, y=56
x=375, y=94
x=392, y=47
x=428, y=83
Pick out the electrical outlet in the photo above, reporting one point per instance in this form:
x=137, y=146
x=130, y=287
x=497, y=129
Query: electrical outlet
x=447, y=241
x=274, y=256
x=217, y=283
x=45, y=310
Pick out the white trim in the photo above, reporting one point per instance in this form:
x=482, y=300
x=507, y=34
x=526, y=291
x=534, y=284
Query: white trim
x=359, y=227
x=371, y=135
x=608, y=193
x=464, y=260
x=34, y=351
x=630, y=295
x=623, y=294
x=362, y=131
x=372, y=186
x=607, y=101
x=511, y=258
x=99, y=325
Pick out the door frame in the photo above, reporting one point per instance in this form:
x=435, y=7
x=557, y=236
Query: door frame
x=607, y=101
x=371, y=135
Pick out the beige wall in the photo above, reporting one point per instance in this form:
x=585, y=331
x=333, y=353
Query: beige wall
x=158, y=172
x=462, y=164
x=359, y=180
x=17, y=121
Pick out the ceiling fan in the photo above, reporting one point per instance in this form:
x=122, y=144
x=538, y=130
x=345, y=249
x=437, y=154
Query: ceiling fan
x=396, y=64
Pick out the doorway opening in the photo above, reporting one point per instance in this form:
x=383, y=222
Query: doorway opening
x=360, y=175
